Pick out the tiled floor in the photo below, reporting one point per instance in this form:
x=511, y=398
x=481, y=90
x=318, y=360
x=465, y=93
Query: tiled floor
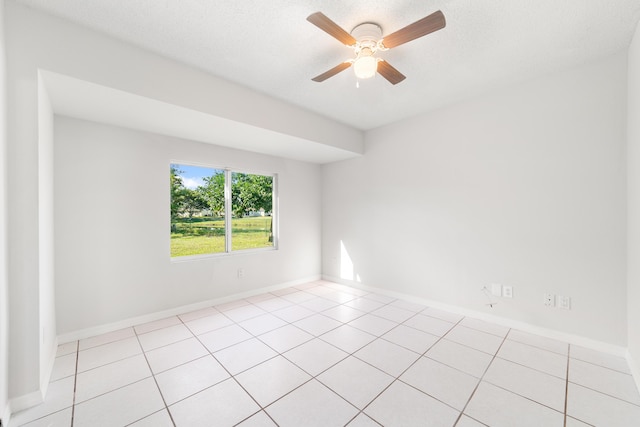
x=323, y=354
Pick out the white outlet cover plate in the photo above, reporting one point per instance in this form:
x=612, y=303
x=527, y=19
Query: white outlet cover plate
x=564, y=302
x=507, y=291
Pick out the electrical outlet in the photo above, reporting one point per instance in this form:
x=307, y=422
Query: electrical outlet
x=550, y=300
x=507, y=291
x=496, y=289
x=240, y=273
x=564, y=302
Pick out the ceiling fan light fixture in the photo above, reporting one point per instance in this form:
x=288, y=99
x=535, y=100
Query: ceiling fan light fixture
x=366, y=39
x=365, y=65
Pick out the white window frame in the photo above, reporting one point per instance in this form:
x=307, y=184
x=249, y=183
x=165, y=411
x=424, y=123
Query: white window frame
x=228, y=213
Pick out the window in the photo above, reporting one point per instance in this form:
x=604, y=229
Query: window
x=219, y=211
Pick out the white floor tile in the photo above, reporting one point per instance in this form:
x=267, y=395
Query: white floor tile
x=356, y=381
x=284, y=291
x=599, y=358
x=254, y=299
x=411, y=338
x=208, y=323
x=158, y=324
x=364, y=304
x=362, y=420
x=281, y=346
x=244, y=313
x=535, y=385
x=231, y=305
x=387, y=357
x=393, y=313
x=67, y=348
x=165, y=336
x=339, y=297
x=348, y=338
x=198, y=314
x=244, y=355
x=319, y=290
x=343, y=313
x=401, y=405
x=224, y=337
x=604, y=380
x=466, y=359
x=408, y=305
x=315, y=356
x=59, y=396
x=481, y=325
x=497, y=407
x=263, y=323
x=312, y=405
x=120, y=407
x=226, y=403
x=539, y=341
x=465, y=421
x=380, y=298
x=479, y=340
x=261, y=419
x=298, y=297
x=157, y=419
x=64, y=366
x=293, y=313
x=175, y=354
x=600, y=409
x=109, y=377
x=183, y=381
x=106, y=338
x=305, y=286
x=534, y=357
x=317, y=324
x=272, y=379
x=572, y=422
x=373, y=324
x=285, y=338
x=440, y=381
x=429, y=324
x=108, y=353
x=57, y=419
x=443, y=315
x=273, y=304
x=318, y=304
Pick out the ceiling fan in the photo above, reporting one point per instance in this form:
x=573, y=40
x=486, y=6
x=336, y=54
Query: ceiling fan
x=366, y=40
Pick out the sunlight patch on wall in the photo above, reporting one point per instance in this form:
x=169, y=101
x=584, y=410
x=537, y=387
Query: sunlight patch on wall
x=347, y=269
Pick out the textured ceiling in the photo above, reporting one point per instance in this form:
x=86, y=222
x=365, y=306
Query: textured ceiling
x=270, y=47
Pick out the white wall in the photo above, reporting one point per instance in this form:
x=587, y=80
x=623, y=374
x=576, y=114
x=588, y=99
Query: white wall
x=633, y=202
x=46, y=285
x=34, y=42
x=112, y=225
x=523, y=187
x=4, y=295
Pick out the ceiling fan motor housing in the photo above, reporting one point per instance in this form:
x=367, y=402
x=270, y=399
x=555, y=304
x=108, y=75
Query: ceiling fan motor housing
x=367, y=35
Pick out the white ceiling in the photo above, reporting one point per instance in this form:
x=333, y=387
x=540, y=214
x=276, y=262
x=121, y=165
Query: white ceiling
x=270, y=47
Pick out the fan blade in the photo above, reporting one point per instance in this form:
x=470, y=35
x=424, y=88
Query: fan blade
x=332, y=72
x=388, y=72
x=424, y=26
x=328, y=26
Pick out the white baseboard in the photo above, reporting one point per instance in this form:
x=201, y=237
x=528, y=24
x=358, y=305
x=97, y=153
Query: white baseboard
x=5, y=415
x=26, y=401
x=635, y=369
x=138, y=320
x=29, y=400
x=45, y=374
x=510, y=323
